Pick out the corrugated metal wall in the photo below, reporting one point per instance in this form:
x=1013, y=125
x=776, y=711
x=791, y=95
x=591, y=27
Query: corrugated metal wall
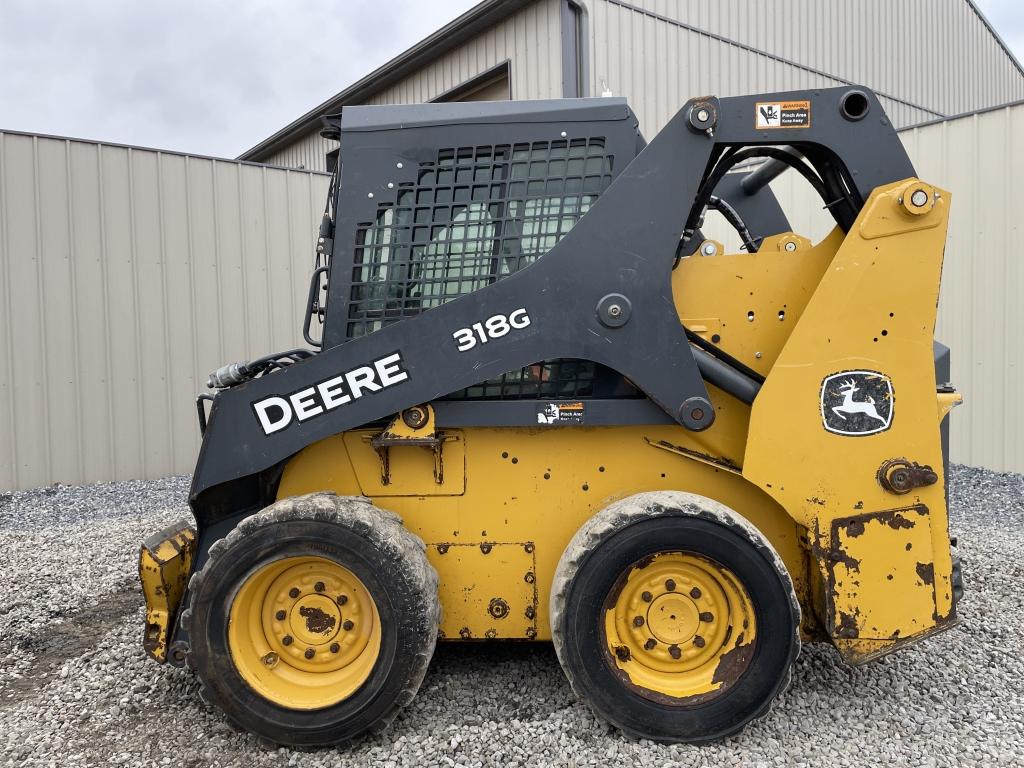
x=978, y=159
x=307, y=153
x=928, y=57
x=530, y=40
x=126, y=276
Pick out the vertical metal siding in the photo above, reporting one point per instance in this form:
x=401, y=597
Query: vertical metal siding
x=929, y=58
x=529, y=39
x=977, y=158
x=126, y=275
x=307, y=153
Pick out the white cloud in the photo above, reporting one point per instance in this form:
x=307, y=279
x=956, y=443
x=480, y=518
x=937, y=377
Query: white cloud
x=209, y=77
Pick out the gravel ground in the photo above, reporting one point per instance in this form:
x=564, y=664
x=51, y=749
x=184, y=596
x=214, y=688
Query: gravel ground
x=76, y=688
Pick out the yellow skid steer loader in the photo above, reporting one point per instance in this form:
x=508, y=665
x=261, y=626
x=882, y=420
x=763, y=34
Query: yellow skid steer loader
x=539, y=405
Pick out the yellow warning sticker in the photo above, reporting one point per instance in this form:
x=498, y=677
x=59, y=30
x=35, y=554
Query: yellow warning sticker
x=782, y=114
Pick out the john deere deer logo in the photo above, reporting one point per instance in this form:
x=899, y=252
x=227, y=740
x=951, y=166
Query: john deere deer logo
x=856, y=402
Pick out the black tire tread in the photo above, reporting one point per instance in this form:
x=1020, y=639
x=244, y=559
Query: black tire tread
x=381, y=527
x=612, y=519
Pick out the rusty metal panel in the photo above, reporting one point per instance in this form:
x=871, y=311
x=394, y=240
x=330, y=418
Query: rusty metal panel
x=881, y=553
x=410, y=470
x=499, y=596
x=126, y=275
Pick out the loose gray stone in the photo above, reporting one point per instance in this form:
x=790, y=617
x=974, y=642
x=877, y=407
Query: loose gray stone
x=77, y=690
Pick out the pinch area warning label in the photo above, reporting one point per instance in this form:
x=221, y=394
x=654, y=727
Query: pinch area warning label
x=783, y=114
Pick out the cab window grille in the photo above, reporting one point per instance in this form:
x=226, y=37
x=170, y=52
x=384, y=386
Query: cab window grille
x=474, y=216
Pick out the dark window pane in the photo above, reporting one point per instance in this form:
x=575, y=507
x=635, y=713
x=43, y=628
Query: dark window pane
x=511, y=206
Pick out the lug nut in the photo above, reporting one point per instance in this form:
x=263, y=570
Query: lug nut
x=347, y=625
x=335, y=647
x=674, y=652
x=342, y=599
x=649, y=645
x=638, y=621
x=670, y=585
x=529, y=578
x=281, y=615
x=707, y=616
x=310, y=653
x=319, y=586
x=695, y=593
x=270, y=659
x=698, y=641
x=294, y=592
x=622, y=652
x=286, y=640
x=647, y=597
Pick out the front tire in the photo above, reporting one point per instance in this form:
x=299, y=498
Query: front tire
x=674, y=618
x=314, y=620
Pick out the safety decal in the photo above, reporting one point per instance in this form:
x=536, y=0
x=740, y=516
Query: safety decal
x=277, y=412
x=560, y=413
x=857, y=403
x=782, y=114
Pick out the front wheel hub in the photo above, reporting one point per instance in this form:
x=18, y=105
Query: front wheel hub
x=316, y=623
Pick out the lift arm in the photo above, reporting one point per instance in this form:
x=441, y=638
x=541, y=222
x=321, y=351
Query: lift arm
x=602, y=294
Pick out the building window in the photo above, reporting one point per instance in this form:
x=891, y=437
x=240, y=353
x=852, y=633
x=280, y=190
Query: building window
x=495, y=84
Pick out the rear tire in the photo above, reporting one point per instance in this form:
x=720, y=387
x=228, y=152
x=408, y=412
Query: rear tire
x=674, y=618
x=337, y=665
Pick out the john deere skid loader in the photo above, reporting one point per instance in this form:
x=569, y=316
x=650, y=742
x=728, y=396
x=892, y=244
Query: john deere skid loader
x=542, y=405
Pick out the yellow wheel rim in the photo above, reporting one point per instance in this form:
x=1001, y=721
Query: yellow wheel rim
x=679, y=628
x=304, y=632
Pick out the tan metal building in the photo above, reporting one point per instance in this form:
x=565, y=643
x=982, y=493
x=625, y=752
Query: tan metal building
x=927, y=59
x=126, y=276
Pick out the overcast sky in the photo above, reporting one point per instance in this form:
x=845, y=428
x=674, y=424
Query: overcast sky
x=214, y=77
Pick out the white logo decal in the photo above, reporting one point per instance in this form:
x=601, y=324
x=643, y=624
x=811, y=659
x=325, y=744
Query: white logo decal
x=857, y=402
x=276, y=412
